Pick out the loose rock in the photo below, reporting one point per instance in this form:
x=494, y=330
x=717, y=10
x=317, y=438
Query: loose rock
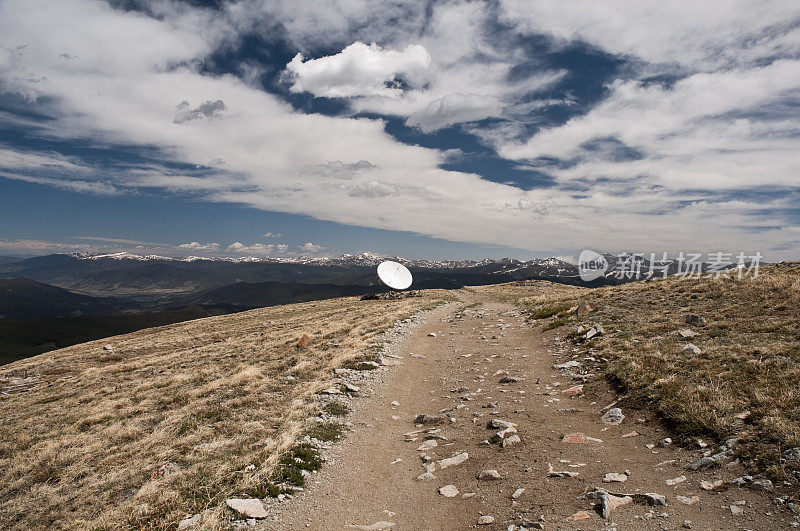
x=304, y=341
x=579, y=438
x=613, y=417
x=448, y=491
x=431, y=419
x=686, y=500
x=694, y=349
x=453, y=461
x=490, y=475
x=251, y=508
x=189, y=521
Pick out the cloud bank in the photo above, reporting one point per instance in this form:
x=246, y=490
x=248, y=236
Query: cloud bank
x=691, y=144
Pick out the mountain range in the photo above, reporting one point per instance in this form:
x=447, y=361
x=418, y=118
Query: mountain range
x=57, y=300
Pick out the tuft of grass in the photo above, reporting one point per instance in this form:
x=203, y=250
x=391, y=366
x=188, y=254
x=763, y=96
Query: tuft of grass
x=335, y=409
x=555, y=324
x=543, y=312
x=325, y=431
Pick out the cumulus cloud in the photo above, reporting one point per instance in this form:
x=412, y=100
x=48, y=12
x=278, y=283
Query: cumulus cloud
x=253, y=248
x=358, y=70
x=453, y=109
x=272, y=235
x=196, y=246
x=309, y=247
x=336, y=169
x=208, y=110
x=372, y=189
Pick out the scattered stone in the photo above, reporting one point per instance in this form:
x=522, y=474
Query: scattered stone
x=687, y=524
x=595, y=331
x=251, y=508
x=580, y=515
x=552, y=473
x=793, y=454
x=453, y=461
x=431, y=334
x=350, y=388
x=615, y=477
x=431, y=419
x=108, y=347
x=573, y=391
x=686, y=333
x=426, y=476
x=652, y=498
x=584, y=309
x=304, y=341
x=377, y=526
x=711, y=460
x=741, y=481
x=631, y=434
x=510, y=441
x=490, y=475
x=165, y=470
x=686, y=500
x=394, y=403
x=610, y=502
x=676, y=481
x=694, y=319
x=331, y=391
x=613, y=417
x=517, y=493
x=189, y=521
x=762, y=484
x=448, y=491
x=694, y=349
x=663, y=443
x=508, y=379
x=498, y=424
x=427, y=445
x=485, y=520
x=567, y=365
x=711, y=485
x=579, y=438
x=736, y=510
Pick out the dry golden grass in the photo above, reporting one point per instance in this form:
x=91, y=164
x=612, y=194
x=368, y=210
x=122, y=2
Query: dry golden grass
x=78, y=448
x=749, y=360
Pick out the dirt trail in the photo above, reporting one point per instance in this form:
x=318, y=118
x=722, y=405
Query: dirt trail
x=370, y=476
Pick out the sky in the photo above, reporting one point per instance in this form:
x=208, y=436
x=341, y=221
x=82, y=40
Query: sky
x=439, y=129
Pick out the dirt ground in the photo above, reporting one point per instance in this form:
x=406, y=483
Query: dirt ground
x=369, y=480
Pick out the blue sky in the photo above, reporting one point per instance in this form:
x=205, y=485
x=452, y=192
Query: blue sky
x=441, y=129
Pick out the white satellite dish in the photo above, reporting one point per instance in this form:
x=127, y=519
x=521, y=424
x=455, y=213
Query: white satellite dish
x=394, y=275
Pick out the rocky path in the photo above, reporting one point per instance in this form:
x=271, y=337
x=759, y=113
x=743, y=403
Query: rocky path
x=548, y=459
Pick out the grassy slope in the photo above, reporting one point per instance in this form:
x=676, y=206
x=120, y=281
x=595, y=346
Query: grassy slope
x=749, y=360
x=78, y=450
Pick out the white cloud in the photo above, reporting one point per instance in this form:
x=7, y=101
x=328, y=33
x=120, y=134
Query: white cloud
x=717, y=130
x=208, y=110
x=272, y=235
x=691, y=35
x=454, y=109
x=310, y=247
x=253, y=248
x=358, y=70
x=196, y=246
